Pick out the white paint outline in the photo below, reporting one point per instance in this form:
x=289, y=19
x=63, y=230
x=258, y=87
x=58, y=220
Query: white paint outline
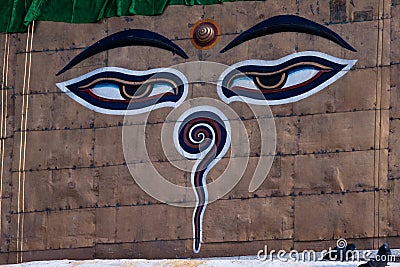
x=256, y=62
x=63, y=87
x=198, y=157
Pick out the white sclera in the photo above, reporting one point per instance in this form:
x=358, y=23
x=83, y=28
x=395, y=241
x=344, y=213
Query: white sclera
x=295, y=77
x=245, y=82
x=111, y=91
x=161, y=88
x=107, y=91
x=300, y=76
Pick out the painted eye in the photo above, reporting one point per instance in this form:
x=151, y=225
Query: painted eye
x=286, y=80
x=120, y=91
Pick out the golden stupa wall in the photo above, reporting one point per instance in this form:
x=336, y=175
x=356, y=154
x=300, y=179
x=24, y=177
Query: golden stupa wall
x=66, y=191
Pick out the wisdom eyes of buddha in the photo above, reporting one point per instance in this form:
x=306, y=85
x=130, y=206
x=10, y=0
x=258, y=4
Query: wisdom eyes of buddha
x=261, y=82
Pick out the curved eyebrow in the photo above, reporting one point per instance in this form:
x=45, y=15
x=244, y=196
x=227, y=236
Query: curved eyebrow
x=287, y=23
x=133, y=37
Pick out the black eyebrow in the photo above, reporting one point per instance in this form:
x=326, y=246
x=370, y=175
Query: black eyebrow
x=287, y=23
x=133, y=37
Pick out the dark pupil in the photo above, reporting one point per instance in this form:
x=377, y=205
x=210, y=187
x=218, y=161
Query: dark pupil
x=274, y=80
x=133, y=91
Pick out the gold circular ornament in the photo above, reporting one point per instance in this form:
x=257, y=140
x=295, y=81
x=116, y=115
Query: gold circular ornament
x=205, y=34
